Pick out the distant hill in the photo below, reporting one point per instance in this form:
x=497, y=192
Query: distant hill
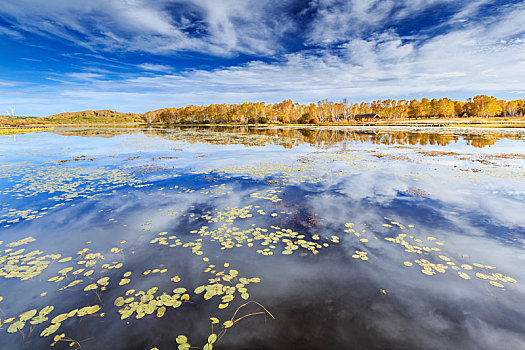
x=9, y=120
x=104, y=116
x=90, y=117
x=8, y=117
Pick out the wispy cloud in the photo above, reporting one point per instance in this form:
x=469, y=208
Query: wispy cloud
x=8, y=83
x=11, y=33
x=213, y=27
x=84, y=76
x=217, y=28
x=154, y=67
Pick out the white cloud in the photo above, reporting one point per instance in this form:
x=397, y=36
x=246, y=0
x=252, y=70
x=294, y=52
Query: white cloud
x=336, y=20
x=11, y=33
x=84, y=76
x=9, y=83
x=223, y=28
x=154, y=67
x=217, y=28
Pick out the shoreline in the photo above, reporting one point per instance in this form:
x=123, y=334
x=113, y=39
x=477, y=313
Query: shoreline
x=427, y=124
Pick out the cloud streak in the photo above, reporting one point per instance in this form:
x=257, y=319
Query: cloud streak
x=224, y=28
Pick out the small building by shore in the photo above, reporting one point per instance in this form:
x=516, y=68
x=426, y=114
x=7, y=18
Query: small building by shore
x=367, y=117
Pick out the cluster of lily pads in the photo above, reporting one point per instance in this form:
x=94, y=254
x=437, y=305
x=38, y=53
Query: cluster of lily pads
x=60, y=184
x=18, y=263
x=270, y=194
x=226, y=284
x=83, y=268
x=35, y=317
x=147, y=303
x=279, y=172
x=229, y=236
x=433, y=261
x=217, y=190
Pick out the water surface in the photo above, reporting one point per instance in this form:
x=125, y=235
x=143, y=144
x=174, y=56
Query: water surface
x=328, y=238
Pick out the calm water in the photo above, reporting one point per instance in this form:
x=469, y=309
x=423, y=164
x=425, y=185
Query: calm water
x=323, y=238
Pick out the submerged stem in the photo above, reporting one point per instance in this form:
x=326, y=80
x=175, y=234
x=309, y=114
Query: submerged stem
x=252, y=314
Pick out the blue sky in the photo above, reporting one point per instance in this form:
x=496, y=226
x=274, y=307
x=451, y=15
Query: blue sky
x=140, y=55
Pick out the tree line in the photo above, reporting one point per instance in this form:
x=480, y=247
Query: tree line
x=326, y=111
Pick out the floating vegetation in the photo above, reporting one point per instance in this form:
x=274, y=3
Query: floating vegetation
x=24, y=265
x=61, y=184
x=232, y=285
x=217, y=190
x=282, y=173
x=271, y=195
x=142, y=303
x=123, y=242
x=440, y=263
x=182, y=340
x=360, y=255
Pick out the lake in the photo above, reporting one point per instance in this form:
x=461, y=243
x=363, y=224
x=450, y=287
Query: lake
x=263, y=238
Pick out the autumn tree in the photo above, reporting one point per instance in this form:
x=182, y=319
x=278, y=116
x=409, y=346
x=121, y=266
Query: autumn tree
x=327, y=111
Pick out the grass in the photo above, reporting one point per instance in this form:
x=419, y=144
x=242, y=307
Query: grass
x=21, y=130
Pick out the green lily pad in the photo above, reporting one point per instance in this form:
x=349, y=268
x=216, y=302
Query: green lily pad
x=181, y=339
x=27, y=315
x=50, y=330
x=16, y=326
